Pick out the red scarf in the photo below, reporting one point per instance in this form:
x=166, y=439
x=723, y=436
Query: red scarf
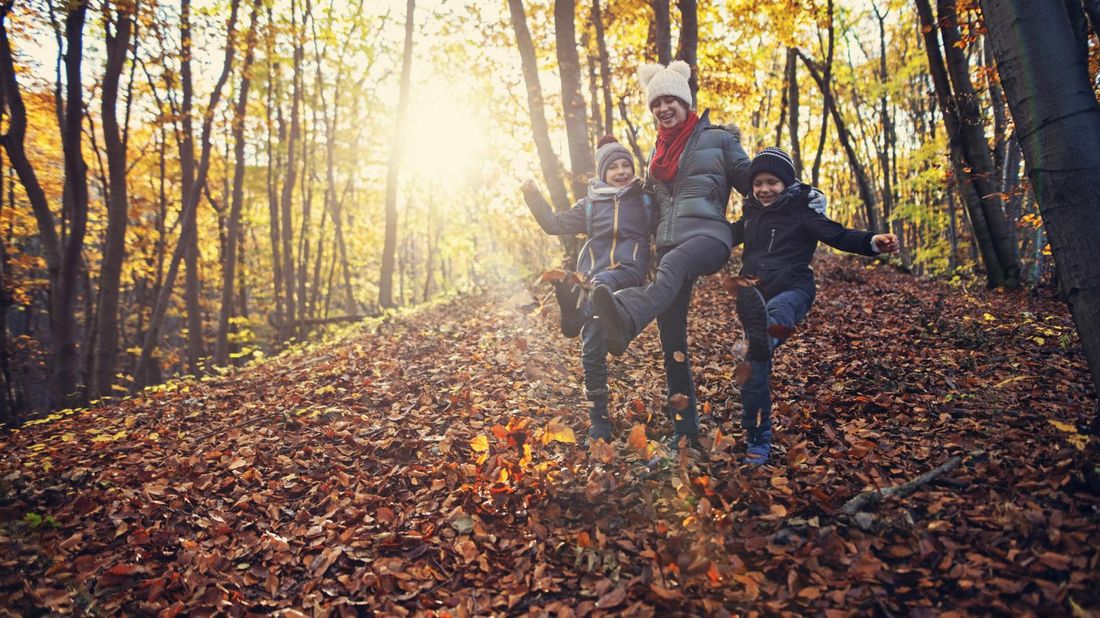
x=670, y=145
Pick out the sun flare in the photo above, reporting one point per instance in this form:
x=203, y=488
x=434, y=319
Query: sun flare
x=444, y=137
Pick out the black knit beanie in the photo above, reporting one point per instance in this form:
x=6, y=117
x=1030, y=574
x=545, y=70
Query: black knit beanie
x=773, y=161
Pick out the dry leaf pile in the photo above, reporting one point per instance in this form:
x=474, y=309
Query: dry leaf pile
x=433, y=467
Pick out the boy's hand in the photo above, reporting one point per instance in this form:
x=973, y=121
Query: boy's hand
x=886, y=243
x=529, y=185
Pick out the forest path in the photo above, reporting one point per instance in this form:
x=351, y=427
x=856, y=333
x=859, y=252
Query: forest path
x=424, y=466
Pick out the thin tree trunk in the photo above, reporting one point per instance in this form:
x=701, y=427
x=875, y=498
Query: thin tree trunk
x=289, y=275
x=152, y=335
x=233, y=236
x=1037, y=51
x=114, y=252
x=66, y=374
x=572, y=99
x=385, y=285
x=190, y=240
x=827, y=77
x=974, y=145
x=662, y=23
x=866, y=193
x=687, y=48
x=792, y=109
x=272, y=198
x=995, y=276
x=605, y=68
x=887, y=131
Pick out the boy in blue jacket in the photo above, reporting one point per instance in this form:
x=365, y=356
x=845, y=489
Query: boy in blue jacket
x=781, y=231
x=615, y=218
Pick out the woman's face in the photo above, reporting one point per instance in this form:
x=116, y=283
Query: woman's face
x=669, y=111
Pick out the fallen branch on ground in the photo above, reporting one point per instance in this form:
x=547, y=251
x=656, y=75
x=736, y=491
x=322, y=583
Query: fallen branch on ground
x=868, y=499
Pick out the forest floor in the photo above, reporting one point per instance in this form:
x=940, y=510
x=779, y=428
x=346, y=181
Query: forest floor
x=426, y=466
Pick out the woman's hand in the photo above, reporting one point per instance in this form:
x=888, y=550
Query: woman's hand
x=529, y=185
x=886, y=243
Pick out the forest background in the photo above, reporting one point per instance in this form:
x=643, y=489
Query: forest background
x=192, y=185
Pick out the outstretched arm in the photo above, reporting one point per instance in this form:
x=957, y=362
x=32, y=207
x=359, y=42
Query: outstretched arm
x=556, y=224
x=837, y=236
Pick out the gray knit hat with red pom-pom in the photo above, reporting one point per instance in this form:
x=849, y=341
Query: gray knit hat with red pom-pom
x=608, y=151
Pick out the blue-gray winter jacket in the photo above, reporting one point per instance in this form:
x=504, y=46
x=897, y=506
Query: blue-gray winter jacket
x=712, y=163
x=780, y=240
x=618, y=224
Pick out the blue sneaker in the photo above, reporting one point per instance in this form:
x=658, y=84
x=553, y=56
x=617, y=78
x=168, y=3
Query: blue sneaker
x=757, y=454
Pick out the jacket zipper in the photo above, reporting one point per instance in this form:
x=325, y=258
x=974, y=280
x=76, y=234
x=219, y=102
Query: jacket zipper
x=614, y=230
x=676, y=182
x=771, y=241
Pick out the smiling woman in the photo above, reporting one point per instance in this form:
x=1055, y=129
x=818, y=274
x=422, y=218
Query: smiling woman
x=444, y=138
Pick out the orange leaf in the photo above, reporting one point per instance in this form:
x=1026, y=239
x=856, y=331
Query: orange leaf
x=679, y=401
x=678, y=356
x=637, y=439
x=552, y=276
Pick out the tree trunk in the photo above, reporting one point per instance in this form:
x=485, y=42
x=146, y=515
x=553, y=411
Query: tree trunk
x=605, y=68
x=289, y=275
x=974, y=145
x=66, y=373
x=385, y=285
x=272, y=198
x=572, y=98
x=229, y=269
x=687, y=48
x=866, y=193
x=792, y=109
x=887, y=131
x=164, y=296
x=551, y=166
x=1037, y=51
x=983, y=240
x=827, y=77
x=190, y=240
x=662, y=24
x=114, y=251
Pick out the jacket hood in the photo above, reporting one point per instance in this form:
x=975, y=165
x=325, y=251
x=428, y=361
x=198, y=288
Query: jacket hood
x=600, y=190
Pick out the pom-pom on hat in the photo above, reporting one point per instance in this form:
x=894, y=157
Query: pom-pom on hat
x=608, y=151
x=661, y=81
x=772, y=160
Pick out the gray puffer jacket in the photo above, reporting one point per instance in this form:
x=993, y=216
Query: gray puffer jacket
x=712, y=163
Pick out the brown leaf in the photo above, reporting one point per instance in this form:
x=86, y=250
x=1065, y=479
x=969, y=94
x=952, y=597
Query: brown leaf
x=678, y=356
x=552, y=276
x=679, y=401
x=612, y=599
x=666, y=594
x=780, y=331
x=742, y=373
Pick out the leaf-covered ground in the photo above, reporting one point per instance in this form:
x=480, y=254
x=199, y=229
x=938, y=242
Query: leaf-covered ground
x=425, y=467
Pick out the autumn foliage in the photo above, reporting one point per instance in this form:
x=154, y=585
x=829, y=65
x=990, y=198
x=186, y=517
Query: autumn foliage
x=430, y=465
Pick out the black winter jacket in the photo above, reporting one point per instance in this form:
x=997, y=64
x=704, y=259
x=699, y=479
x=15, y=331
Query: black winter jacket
x=712, y=163
x=780, y=241
x=618, y=223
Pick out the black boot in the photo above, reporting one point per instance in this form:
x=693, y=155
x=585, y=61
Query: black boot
x=753, y=313
x=617, y=325
x=568, y=294
x=600, y=428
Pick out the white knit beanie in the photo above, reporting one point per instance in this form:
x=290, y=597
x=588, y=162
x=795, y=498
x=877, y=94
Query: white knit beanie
x=661, y=81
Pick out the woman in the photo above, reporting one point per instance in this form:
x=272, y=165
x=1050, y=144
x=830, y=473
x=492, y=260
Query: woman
x=697, y=164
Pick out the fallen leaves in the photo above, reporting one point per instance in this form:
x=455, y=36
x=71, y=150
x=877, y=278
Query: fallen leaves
x=432, y=467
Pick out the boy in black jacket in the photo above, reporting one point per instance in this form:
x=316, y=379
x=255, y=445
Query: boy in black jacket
x=781, y=231
x=615, y=216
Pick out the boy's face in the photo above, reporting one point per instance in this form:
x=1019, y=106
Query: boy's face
x=669, y=111
x=619, y=173
x=766, y=187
